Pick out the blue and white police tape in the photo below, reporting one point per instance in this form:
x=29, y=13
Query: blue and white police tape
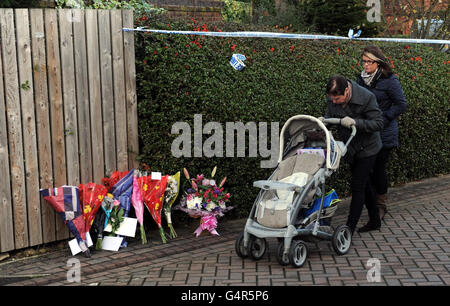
x=290, y=36
x=237, y=61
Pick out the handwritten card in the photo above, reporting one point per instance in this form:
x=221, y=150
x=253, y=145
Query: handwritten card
x=111, y=243
x=126, y=228
x=75, y=248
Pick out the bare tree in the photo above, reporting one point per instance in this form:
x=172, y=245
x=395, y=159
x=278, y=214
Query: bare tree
x=427, y=18
x=424, y=15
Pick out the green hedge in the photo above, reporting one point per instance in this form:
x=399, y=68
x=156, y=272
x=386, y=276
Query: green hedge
x=179, y=76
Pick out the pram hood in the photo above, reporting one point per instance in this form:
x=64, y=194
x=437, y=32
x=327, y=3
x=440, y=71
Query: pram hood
x=295, y=128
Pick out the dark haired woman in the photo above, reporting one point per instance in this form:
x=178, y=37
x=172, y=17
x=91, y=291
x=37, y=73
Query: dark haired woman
x=377, y=77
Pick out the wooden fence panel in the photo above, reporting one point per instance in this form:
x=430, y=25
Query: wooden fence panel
x=130, y=87
x=6, y=217
x=42, y=120
x=68, y=111
x=95, y=95
x=56, y=110
x=29, y=126
x=11, y=88
x=82, y=93
x=119, y=90
x=70, y=103
x=109, y=137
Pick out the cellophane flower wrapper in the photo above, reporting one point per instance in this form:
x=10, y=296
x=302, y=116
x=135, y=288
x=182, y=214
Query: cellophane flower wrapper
x=91, y=197
x=138, y=204
x=122, y=191
x=107, y=207
x=153, y=194
x=65, y=200
x=116, y=176
x=171, y=194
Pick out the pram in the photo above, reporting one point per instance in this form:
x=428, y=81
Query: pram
x=293, y=205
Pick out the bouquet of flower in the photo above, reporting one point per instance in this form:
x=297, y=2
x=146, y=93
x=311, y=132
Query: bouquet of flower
x=138, y=204
x=115, y=177
x=91, y=196
x=171, y=194
x=108, y=204
x=205, y=199
x=122, y=191
x=152, y=195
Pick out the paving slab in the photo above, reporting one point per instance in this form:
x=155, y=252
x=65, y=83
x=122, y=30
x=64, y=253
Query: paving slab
x=411, y=248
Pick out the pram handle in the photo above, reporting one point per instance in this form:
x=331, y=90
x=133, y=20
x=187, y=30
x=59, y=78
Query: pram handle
x=338, y=122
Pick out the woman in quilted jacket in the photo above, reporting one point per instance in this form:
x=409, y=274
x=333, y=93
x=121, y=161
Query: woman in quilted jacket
x=377, y=76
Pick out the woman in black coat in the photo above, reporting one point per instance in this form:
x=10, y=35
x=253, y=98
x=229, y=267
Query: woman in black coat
x=357, y=106
x=378, y=77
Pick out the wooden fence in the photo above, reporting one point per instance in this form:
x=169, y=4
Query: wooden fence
x=68, y=112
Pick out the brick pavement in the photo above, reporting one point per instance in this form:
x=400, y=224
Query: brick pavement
x=412, y=247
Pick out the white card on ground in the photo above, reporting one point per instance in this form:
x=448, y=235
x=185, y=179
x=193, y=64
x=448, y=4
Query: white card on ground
x=156, y=175
x=75, y=248
x=111, y=243
x=126, y=228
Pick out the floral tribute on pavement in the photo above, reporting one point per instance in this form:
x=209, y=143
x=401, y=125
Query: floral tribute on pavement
x=204, y=199
x=101, y=210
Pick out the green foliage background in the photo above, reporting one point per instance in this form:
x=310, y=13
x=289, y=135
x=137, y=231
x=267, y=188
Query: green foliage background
x=182, y=75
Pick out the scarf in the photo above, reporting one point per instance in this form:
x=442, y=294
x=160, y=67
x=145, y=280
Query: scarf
x=370, y=79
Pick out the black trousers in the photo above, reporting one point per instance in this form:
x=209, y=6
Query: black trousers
x=362, y=192
x=379, y=177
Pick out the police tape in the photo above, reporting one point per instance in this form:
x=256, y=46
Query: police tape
x=237, y=61
x=290, y=36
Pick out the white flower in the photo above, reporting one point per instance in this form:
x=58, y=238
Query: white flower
x=171, y=190
x=211, y=206
x=194, y=203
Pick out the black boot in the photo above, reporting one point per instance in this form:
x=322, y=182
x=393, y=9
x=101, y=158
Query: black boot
x=371, y=226
x=351, y=226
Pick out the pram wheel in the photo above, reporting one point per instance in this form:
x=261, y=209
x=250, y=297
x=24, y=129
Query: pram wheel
x=241, y=251
x=342, y=239
x=298, y=253
x=257, y=247
x=282, y=260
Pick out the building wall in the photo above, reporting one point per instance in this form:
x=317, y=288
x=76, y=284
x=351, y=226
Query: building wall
x=204, y=10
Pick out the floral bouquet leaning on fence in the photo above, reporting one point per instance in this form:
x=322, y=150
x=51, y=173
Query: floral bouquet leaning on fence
x=171, y=194
x=203, y=198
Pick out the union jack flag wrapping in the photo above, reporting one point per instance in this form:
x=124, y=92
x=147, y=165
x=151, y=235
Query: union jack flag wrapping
x=66, y=202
